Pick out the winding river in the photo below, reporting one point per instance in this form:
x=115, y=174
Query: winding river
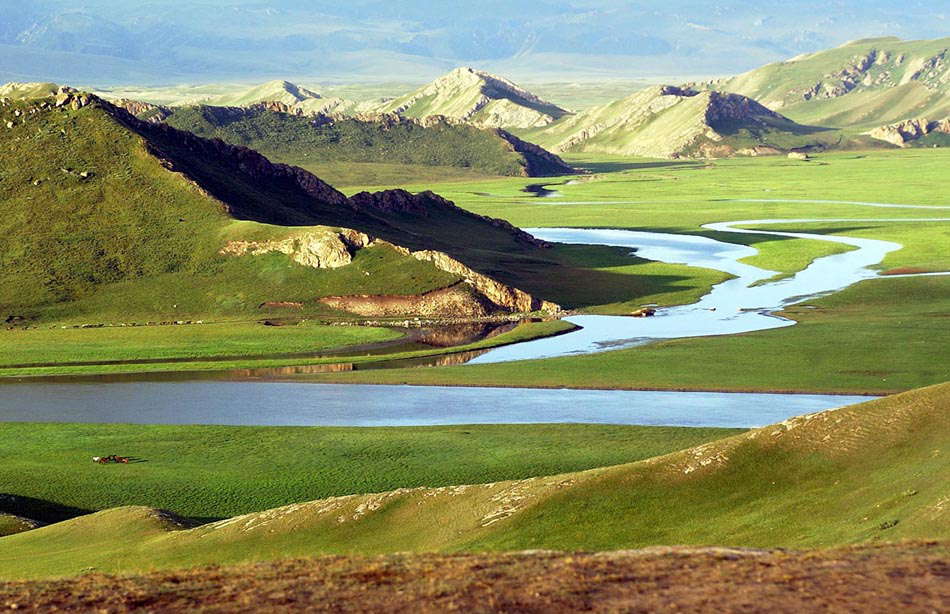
x=746, y=302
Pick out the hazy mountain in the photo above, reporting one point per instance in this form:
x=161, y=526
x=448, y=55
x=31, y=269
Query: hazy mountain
x=103, y=42
x=667, y=121
x=476, y=97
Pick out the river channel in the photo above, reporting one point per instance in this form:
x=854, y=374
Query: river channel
x=746, y=302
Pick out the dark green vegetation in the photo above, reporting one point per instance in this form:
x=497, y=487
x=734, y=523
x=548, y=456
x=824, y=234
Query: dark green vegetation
x=307, y=141
x=869, y=472
x=212, y=472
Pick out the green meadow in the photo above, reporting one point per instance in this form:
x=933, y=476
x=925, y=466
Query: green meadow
x=213, y=472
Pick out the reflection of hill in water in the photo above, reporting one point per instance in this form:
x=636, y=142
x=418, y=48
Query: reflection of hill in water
x=463, y=334
x=442, y=360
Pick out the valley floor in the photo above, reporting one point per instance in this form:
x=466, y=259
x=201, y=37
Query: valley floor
x=908, y=577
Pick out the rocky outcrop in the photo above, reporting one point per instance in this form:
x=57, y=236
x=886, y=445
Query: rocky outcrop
x=316, y=248
x=457, y=300
x=143, y=110
x=902, y=133
x=505, y=297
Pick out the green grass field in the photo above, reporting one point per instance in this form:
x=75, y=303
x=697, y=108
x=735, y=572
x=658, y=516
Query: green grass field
x=213, y=472
x=114, y=352
x=872, y=472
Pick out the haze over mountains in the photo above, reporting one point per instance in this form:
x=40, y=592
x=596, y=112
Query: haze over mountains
x=101, y=43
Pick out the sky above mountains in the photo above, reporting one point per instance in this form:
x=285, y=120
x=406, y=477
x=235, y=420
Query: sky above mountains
x=102, y=42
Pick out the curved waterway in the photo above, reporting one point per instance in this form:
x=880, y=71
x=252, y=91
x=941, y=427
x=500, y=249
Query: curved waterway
x=746, y=302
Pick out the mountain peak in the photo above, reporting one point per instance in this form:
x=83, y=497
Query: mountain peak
x=479, y=98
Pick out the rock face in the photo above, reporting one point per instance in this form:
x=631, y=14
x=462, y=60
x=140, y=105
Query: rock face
x=457, y=300
x=901, y=133
x=666, y=121
x=504, y=297
x=479, y=98
x=317, y=247
x=144, y=110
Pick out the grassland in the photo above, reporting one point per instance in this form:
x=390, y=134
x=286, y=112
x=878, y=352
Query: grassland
x=213, y=472
x=866, y=473
x=57, y=345
x=120, y=351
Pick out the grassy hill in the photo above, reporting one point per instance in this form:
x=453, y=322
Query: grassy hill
x=665, y=121
x=865, y=473
x=477, y=97
x=307, y=140
x=862, y=84
x=133, y=219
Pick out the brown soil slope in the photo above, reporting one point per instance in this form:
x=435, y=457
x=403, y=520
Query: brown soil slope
x=910, y=577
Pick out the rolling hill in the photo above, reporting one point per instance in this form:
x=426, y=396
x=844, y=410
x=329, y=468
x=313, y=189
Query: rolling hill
x=289, y=137
x=477, y=97
x=128, y=217
x=862, y=84
x=865, y=473
x=667, y=121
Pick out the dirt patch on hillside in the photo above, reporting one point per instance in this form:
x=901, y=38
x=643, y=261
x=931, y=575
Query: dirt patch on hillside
x=906, y=578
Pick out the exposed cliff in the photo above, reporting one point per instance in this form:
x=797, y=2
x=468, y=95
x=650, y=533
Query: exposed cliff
x=905, y=132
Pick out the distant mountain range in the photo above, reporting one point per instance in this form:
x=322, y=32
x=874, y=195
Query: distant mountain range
x=100, y=42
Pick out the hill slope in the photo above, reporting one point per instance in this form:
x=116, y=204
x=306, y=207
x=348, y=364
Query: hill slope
x=286, y=136
x=878, y=470
x=666, y=121
x=125, y=214
x=865, y=83
x=476, y=97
